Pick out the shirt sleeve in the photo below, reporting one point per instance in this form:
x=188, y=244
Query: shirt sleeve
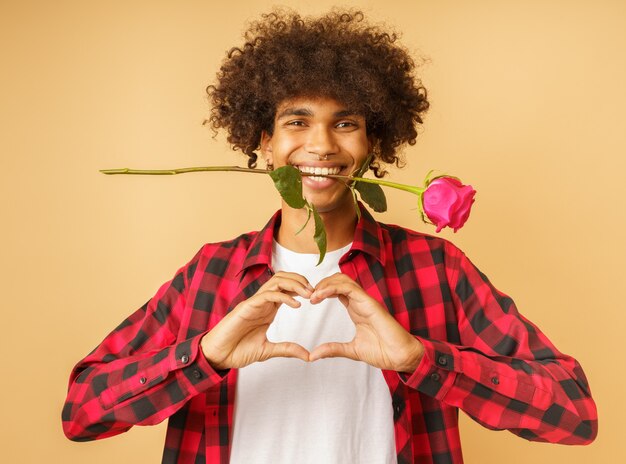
x=504, y=373
x=141, y=373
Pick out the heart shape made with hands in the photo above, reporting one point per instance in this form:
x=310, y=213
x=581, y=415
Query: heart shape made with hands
x=311, y=325
x=241, y=337
x=337, y=318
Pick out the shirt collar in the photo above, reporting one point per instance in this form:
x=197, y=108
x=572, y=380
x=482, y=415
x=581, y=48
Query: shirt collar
x=368, y=238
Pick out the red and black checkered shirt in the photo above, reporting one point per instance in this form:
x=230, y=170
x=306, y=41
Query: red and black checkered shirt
x=481, y=355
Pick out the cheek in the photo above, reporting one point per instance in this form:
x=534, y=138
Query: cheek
x=285, y=145
x=360, y=147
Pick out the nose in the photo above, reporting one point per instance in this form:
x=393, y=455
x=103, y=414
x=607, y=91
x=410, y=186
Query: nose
x=321, y=141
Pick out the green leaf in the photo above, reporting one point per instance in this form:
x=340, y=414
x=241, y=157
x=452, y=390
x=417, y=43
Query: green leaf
x=373, y=195
x=359, y=173
x=308, y=218
x=430, y=177
x=356, y=205
x=288, y=182
x=364, y=167
x=427, y=179
x=320, y=234
x=420, y=206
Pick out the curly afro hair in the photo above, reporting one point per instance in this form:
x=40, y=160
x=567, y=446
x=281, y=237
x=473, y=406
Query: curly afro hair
x=338, y=56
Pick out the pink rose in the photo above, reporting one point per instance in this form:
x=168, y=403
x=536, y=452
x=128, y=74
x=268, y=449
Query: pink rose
x=447, y=202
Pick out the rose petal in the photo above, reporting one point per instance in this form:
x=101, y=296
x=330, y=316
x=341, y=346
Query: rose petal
x=438, y=202
x=447, y=202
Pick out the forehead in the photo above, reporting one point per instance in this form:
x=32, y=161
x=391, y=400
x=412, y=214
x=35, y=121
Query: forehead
x=313, y=106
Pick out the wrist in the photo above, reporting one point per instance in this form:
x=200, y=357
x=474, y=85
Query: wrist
x=207, y=351
x=414, y=356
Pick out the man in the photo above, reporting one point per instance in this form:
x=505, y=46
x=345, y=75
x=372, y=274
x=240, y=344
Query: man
x=255, y=354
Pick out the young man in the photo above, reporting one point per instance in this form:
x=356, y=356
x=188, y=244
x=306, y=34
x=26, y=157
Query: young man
x=255, y=354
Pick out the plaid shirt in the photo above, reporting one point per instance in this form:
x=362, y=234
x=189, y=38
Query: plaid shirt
x=481, y=355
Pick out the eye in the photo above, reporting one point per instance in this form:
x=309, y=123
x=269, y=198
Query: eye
x=296, y=123
x=347, y=125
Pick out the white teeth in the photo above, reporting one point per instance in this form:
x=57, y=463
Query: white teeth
x=319, y=170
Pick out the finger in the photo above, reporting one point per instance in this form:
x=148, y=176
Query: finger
x=292, y=276
x=298, y=286
x=292, y=287
x=274, y=297
x=288, y=350
x=334, y=350
x=336, y=277
x=337, y=288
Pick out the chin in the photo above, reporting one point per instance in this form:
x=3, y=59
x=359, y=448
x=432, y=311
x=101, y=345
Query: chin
x=344, y=204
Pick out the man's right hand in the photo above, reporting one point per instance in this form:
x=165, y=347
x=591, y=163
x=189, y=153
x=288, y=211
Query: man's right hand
x=240, y=338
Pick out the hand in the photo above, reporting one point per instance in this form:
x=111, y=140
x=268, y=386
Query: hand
x=379, y=340
x=240, y=338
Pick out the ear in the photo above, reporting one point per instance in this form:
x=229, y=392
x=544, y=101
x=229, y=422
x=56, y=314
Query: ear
x=266, y=147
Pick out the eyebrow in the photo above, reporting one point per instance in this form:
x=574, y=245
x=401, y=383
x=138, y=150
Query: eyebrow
x=304, y=111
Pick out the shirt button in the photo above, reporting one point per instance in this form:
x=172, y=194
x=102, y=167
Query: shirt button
x=442, y=361
x=495, y=380
x=142, y=380
x=436, y=377
x=196, y=373
x=184, y=358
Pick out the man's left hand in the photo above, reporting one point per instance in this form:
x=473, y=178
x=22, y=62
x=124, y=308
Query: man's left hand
x=379, y=340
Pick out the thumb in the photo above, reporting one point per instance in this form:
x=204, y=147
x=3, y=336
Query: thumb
x=333, y=350
x=287, y=350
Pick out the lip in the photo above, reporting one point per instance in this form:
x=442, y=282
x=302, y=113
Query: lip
x=319, y=182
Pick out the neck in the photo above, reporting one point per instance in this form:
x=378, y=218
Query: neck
x=339, y=223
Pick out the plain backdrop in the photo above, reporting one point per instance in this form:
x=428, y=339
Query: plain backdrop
x=528, y=105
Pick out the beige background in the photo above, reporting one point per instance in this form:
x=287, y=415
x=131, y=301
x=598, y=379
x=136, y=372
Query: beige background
x=528, y=105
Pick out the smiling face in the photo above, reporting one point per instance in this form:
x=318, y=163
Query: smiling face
x=318, y=135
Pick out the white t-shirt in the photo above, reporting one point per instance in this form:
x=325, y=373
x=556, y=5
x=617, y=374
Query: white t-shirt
x=330, y=411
